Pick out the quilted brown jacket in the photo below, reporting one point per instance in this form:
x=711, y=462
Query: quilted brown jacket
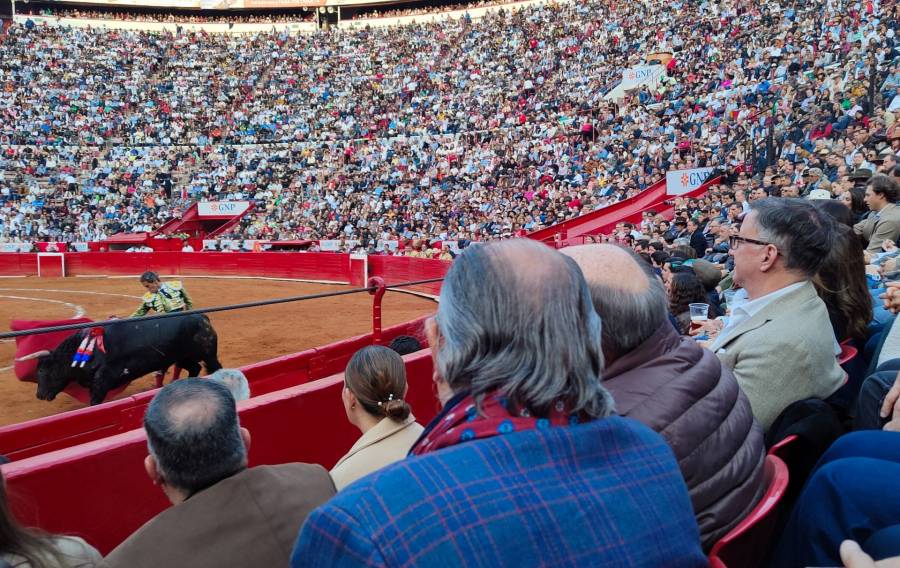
x=683, y=391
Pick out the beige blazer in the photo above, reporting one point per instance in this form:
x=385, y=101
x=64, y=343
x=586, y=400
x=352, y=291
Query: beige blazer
x=783, y=353
x=875, y=229
x=387, y=442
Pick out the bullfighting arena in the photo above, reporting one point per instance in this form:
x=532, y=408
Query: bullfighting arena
x=245, y=336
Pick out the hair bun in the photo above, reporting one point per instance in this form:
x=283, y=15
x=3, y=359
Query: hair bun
x=397, y=409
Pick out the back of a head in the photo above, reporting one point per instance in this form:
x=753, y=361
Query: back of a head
x=838, y=211
x=405, y=344
x=685, y=288
x=684, y=251
x=626, y=293
x=235, y=381
x=16, y=541
x=516, y=317
x=376, y=376
x=194, y=435
x=803, y=233
x=841, y=282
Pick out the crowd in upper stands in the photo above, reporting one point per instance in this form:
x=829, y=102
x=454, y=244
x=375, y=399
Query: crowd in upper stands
x=427, y=10
x=607, y=404
x=167, y=17
x=421, y=133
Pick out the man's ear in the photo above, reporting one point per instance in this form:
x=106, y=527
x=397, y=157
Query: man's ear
x=152, y=470
x=245, y=436
x=432, y=332
x=769, y=260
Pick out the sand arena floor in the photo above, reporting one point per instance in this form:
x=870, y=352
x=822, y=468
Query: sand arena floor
x=245, y=336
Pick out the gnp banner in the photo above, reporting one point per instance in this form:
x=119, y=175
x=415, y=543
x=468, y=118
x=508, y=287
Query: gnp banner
x=679, y=182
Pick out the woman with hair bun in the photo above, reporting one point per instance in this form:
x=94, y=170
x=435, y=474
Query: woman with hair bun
x=374, y=388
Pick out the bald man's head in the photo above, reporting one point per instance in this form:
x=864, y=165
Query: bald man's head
x=193, y=434
x=626, y=293
x=610, y=265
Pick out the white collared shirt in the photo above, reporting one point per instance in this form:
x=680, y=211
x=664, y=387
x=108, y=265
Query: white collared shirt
x=746, y=309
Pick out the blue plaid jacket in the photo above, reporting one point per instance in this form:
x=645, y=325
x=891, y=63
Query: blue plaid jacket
x=604, y=493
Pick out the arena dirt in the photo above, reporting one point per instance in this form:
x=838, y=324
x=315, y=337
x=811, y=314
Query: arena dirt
x=245, y=336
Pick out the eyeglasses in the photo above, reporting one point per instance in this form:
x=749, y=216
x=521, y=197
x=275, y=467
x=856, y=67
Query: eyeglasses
x=735, y=240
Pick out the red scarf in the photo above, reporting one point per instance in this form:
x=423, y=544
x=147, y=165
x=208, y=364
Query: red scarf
x=459, y=422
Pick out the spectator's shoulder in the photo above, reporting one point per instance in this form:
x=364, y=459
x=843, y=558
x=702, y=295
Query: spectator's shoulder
x=290, y=472
x=76, y=552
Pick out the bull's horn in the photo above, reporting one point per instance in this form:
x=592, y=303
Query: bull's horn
x=31, y=356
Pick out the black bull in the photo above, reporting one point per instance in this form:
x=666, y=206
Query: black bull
x=133, y=348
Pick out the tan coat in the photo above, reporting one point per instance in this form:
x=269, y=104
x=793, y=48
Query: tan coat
x=783, y=353
x=387, y=442
x=875, y=229
x=248, y=519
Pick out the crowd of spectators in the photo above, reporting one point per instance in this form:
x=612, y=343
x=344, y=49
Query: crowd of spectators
x=422, y=133
x=612, y=401
x=168, y=17
x=427, y=10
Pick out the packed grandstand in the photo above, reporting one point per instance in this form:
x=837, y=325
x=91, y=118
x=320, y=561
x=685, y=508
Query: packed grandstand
x=736, y=403
x=422, y=132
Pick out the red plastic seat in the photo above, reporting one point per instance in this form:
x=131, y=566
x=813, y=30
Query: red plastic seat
x=784, y=449
x=848, y=352
x=747, y=544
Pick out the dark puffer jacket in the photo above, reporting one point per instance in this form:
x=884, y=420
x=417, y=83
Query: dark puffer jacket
x=683, y=392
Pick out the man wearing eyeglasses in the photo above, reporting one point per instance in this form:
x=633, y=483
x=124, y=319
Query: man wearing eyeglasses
x=779, y=342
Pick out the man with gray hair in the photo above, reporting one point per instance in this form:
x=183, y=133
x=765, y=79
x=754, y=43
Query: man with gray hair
x=779, y=341
x=235, y=381
x=224, y=514
x=676, y=387
x=524, y=463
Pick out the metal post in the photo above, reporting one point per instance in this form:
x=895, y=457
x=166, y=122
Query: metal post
x=873, y=83
x=377, y=283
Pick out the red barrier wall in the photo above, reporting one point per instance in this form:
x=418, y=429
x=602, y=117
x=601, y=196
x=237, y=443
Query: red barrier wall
x=323, y=266
x=396, y=269
x=42, y=435
x=308, y=266
x=18, y=264
x=100, y=491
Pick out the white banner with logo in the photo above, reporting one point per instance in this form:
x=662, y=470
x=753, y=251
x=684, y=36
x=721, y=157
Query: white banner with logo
x=679, y=182
x=15, y=247
x=222, y=208
x=634, y=76
x=335, y=245
x=79, y=247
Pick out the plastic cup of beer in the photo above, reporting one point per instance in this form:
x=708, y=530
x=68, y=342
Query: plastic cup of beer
x=729, y=297
x=699, y=315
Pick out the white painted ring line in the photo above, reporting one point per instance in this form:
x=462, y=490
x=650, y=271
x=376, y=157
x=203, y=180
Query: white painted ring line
x=130, y=297
x=79, y=311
